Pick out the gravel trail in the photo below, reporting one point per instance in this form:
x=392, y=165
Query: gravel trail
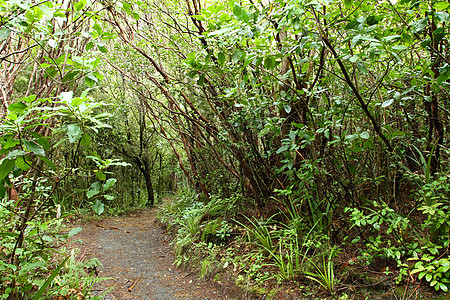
x=135, y=254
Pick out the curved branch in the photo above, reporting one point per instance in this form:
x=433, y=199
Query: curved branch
x=363, y=104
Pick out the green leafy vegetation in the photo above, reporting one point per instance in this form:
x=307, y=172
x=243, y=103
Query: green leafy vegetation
x=295, y=146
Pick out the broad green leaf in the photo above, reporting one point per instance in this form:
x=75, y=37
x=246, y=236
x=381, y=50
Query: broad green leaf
x=221, y=31
x=89, y=81
x=104, y=115
x=399, y=47
x=15, y=153
x=287, y=108
x=9, y=234
x=102, y=48
x=23, y=164
x=79, y=5
x=387, y=103
x=29, y=99
x=353, y=58
x=43, y=142
x=2, y=189
x=407, y=38
x=282, y=149
x=98, y=28
x=443, y=16
x=100, y=175
x=86, y=140
x=52, y=43
x=31, y=266
x=17, y=107
x=74, y=231
x=364, y=135
x=109, y=197
x=439, y=34
x=425, y=43
x=12, y=116
x=396, y=133
x=35, y=148
x=4, y=33
x=352, y=24
x=109, y=183
x=305, y=67
x=240, y=14
x=391, y=38
x=374, y=19
x=52, y=72
x=74, y=132
x=71, y=75
x=120, y=163
x=126, y=7
x=420, y=25
x=48, y=163
x=259, y=61
x=94, y=189
x=201, y=79
x=37, y=13
x=98, y=207
x=46, y=10
x=77, y=101
x=6, y=167
x=269, y=62
x=98, y=75
x=441, y=5
x=89, y=46
x=221, y=58
x=9, y=142
x=348, y=3
x=237, y=55
x=443, y=77
x=361, y=67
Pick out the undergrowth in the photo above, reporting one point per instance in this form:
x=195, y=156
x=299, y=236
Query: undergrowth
x=282, y=252
x=44, y=267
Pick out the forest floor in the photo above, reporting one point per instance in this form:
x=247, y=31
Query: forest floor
x=137, y=258
x=137, y=262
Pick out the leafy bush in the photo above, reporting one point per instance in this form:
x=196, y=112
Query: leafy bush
x=39, y=266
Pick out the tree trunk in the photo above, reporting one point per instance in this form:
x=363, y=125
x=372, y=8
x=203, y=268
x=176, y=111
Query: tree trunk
x=143, y=167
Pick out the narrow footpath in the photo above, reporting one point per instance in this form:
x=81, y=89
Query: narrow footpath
x=136, y=256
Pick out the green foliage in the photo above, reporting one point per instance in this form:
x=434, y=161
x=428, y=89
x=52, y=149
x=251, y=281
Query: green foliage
x=435, y=270
x=436, y=207
x=42, y=114
x=308, y=122
x=227, y=207
x=262, y=233
x=39, y=269
x=324, y=275
x=49, y=280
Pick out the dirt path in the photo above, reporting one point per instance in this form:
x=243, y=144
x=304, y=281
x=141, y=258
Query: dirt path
x=135, y=254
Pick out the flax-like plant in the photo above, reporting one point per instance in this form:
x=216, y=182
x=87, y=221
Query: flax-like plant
x=324, y=275
x=261, y=234
x=287, y=263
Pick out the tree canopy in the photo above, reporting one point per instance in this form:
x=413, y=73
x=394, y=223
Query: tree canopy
x=326, y=118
